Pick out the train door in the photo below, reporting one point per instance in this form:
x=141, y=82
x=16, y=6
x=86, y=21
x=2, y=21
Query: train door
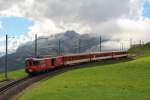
x=53, y=61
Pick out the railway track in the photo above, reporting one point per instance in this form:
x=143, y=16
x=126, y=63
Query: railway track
x=11, y=89
x=6, y=86
x=7, y=90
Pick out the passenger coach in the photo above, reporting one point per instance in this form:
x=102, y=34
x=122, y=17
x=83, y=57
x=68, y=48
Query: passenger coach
x=35, y=65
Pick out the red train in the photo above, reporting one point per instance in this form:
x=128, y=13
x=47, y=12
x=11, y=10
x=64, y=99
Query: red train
x=35, y=65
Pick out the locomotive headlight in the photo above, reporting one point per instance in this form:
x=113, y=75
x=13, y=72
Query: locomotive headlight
x=30, y=70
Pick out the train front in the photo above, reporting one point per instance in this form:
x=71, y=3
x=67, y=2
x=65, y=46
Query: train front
x=32, y=65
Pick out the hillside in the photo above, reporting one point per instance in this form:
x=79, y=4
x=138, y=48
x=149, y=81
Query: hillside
x=122, y=81
x=140, y=50
x=13, y=75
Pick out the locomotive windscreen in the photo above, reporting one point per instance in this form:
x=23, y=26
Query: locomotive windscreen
x=36, y=62
x=28, y=63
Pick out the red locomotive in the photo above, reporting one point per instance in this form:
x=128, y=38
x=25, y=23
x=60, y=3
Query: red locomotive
x=35, y=65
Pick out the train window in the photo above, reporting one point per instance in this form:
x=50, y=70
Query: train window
x=28, y=63
x=36, y=62
x=53, y=61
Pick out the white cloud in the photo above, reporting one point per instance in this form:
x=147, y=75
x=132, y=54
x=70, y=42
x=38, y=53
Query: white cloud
x=118, y=19
x=14, y=42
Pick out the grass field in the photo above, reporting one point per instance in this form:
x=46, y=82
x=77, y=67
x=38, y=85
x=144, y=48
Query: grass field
x=13, y=75
x=141, y=51
x=119, y=81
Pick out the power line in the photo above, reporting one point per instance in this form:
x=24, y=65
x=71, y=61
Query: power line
x=131, y=43
x=59, y=48
x=35, y=46
x=6, y=57
x=100, y=44
x=79, y=45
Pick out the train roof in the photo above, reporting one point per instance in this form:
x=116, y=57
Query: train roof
x=37, y=58
x=77, y=54
x=92, y=53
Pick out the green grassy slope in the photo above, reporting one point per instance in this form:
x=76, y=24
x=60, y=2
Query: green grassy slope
x=141, y=51
x=13, y=75
x=122, y=81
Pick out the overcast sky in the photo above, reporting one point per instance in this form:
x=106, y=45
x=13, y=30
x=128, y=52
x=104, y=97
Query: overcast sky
x=117, y=19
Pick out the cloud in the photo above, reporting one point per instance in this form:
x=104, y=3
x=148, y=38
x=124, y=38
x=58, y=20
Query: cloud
x=5, y=4
x=117, y=19
x=74, y=11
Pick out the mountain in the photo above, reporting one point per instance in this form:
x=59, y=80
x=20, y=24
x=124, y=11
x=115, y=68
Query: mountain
x=69, y=43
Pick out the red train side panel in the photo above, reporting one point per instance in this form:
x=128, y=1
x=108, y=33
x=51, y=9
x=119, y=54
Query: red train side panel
x=42, y=64
x=59, y=61
x=78, y=58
